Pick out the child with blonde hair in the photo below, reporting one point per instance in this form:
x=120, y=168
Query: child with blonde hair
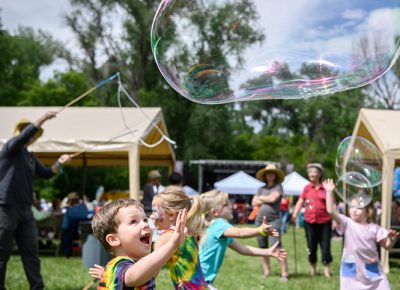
x=122, y=227
x=220, y=234
x=360, y=268
x=184, y=265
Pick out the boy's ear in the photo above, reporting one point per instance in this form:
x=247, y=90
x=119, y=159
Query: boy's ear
x=113, y=240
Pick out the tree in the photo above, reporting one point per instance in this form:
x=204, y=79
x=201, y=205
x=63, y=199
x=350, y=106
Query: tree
x=385, y=91
x=299, y=131
x=23, y=56
x=131, y=55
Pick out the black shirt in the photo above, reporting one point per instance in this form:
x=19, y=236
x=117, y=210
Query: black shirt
x=18, y=168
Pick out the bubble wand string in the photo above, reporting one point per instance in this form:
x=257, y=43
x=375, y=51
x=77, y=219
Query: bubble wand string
x=102, y=143
x=130, y=131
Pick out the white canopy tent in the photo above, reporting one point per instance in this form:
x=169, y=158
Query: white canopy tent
x=99, y=133
x=381, y=128
x=294, y=183
x=190, y=191
x=239, y=183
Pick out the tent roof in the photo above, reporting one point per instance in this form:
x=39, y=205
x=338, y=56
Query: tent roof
x=294, y=183
x=189, y=191
x=239, y=183
x=381, y=128
x=91, y=129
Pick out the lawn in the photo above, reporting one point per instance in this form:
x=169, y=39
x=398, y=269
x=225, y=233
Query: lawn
x=237, y=272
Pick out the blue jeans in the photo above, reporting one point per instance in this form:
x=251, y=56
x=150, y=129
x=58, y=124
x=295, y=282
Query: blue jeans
x=283, y=216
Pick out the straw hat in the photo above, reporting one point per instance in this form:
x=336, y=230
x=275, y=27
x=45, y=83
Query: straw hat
x=73, y=195
x=316, y=165
x=271, y=168
x=22, y=124
x=154, y=174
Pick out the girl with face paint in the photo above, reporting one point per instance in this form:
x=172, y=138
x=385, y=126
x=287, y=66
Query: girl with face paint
x=184, y=266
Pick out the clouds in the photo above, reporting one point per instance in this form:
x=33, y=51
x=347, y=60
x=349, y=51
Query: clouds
x=41, y=14
x=310, y=29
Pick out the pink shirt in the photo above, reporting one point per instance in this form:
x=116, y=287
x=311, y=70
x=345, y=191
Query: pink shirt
x=360, y=268
x=315, y=204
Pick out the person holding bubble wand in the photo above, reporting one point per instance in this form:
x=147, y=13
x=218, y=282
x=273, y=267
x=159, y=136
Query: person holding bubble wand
x=360, y=267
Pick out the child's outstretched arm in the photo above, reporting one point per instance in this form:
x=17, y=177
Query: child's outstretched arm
x=389, y=242
x=149, y=266
x=242, y=233
x=273, y=251
x=329, y=188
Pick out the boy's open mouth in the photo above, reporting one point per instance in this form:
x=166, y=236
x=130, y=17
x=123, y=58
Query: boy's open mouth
x=145, y=239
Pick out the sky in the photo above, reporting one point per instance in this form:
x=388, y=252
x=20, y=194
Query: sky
x=40, y=14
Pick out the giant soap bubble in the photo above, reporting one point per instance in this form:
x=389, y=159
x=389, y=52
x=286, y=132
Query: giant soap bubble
x=358, y=192
x=358, y=155
x=220, y=51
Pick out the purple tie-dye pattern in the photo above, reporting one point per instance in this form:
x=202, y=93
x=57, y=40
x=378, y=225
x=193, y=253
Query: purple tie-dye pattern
x=114, y=274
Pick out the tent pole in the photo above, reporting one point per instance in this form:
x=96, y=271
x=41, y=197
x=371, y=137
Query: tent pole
x=134, y=172
x=200, y=179
x=387, y=187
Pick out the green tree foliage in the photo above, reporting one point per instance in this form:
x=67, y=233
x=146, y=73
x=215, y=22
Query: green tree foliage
x=300, y=131
x=131, y=55
x=58, y=91
x=23, y=55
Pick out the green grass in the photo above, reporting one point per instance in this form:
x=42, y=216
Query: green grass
x=237, y=272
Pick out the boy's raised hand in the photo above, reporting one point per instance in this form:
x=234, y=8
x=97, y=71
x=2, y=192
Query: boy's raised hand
x=179, y=234
x=277, y=252
x=268, y=229
x=328, y=185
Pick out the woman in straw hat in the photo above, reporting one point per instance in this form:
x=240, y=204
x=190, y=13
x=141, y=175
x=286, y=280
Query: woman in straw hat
x=18, y=168
x=268, y=198
x=318, y=223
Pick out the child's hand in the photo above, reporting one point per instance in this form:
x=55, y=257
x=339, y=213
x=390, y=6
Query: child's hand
x=96, y=271
x=268, y=229
x=328, y=185
x=277, y=252
x=393, y=235
x=179, y=235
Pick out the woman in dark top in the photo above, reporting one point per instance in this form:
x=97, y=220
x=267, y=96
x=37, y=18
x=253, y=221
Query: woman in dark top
x=268, y=199
x=318, y=223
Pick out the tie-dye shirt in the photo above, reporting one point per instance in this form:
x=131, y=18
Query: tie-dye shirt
x=184, y=266
x=113, y=276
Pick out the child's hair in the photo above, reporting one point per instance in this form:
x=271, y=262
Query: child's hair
x=214, y=199
x=104, y=221
x=370, y=211
x=174, y=198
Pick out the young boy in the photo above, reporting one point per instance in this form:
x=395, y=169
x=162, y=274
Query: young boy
x=122, y=227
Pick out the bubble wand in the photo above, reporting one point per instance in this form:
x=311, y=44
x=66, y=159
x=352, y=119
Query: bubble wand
x=102, y=83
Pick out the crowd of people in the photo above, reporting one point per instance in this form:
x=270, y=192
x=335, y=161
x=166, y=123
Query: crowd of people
x=189, y=235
